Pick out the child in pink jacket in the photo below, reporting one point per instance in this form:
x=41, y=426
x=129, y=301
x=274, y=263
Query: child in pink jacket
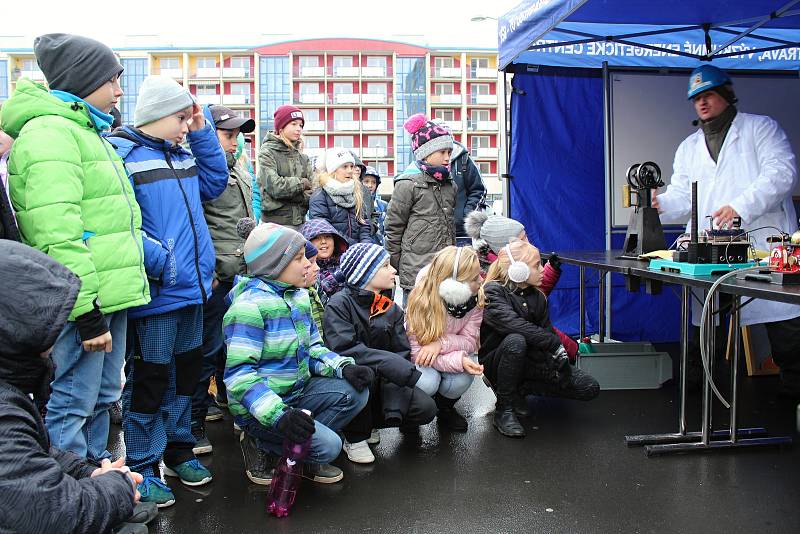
x=443, y=322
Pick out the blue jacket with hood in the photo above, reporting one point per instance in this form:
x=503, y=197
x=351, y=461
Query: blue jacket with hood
x=171, y=184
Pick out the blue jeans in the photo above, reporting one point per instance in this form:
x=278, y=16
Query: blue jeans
x=448, y=385
x=86, y=384
x=214, y=352
x=333, y=403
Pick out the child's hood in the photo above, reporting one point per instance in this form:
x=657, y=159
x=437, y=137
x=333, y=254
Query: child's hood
x=316, y=227
x=125, y=139
x=31, y=100
x=239, y=286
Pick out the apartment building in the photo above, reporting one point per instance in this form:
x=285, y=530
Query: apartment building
x=355, y=93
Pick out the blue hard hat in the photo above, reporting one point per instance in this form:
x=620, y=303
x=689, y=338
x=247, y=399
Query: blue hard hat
x=706, y=77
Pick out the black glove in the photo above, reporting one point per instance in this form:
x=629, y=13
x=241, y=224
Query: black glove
x=296, y=425
x=359, y=376
x=554, y=261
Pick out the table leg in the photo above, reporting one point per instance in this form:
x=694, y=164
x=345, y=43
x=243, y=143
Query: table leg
x=582, y=301
x=735, y=323
x=601, y=316
x=684, y=363
x=708, y=395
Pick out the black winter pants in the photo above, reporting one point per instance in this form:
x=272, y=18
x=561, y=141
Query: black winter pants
x=515, y=371
x=421, y=411
x=784, y=338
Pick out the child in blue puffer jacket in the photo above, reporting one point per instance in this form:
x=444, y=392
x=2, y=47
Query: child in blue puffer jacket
x=170, y=184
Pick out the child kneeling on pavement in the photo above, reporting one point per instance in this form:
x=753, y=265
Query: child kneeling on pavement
x=362, y=323
x=520, y=351
x=277, y=365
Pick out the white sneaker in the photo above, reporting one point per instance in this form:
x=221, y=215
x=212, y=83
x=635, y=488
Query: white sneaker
x=359, y=452
x=374, y=437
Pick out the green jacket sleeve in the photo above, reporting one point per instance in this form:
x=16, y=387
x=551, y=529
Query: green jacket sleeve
x=397, y=218
x=47, y=191
x=275, y=185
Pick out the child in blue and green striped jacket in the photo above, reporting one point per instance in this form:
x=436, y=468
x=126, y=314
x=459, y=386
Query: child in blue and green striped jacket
x=277, y=365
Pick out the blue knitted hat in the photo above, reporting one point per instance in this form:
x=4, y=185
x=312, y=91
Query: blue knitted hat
x=311, y=250
x=361, y=262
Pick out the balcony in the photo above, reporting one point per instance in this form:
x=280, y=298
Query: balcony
x=374, y=152
x=345, y=72
x=314, y=126
x=346, y=98
x=485, y=153
x=314, y=152
x=446, y=99
x=207, y=99
x=237, y=100
x=454, y=126
x=236, y=72
x=207, y=72
x=311, y=72
x=311, y=98
x=373, y=72
x=375, y=125
x=345, y=126
x=35, y=75
x=483, y=100
x=447, y=72
x=482, y=125
x=374, y=98
x=483, y=73
x=173, y=73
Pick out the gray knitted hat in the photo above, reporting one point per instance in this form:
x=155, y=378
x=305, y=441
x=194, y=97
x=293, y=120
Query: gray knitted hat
x=75, y=64
x=159, y=96
x=269, y=249
x=496, y=230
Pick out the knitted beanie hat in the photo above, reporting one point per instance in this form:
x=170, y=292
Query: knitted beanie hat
x=496, y=230
x=311, y=250
x=361, y=262
x=75, y=64
x=269, y=249
x=286, y=114
x=336, y=157
x=159, y=97
x=427, y=137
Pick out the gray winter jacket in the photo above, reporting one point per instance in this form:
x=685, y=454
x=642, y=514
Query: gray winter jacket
x=222, y=215
x=280, y=176
x=419, y=222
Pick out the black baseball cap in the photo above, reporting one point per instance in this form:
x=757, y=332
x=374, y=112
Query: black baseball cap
x=227, y=119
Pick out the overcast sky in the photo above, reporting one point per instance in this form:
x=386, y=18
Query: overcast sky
x=149, y=23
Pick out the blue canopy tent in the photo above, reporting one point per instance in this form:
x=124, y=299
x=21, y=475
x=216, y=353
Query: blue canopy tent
x=561, y=53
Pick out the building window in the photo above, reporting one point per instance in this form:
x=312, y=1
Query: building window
x=308, y=61
x=206, y=63
x=480, y=141
x=342, y=61
x=243, y=113
x=343, y=115
x=135, y=73
x=342, y=88
x=240, y=89
x=479, y=63
x=241, y=63
x=169, y=63
x=376, y=88
x=3, y=80
x=484, y=167
x=273, y=89
x=309, y=88
x=448, y=115
x=376, y=114
x=376, y=61
x=30, y=65
x=311, y=141
x=443, y=89
x=480, y=115
x=343, y=141
x=383, y=168
x=409, y=93
x=374, y=141
x=311, y=115
x=443, y=63
x=206, y=90
x=480, y=88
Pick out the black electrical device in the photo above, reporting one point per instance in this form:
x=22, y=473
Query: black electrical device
x=645, y=233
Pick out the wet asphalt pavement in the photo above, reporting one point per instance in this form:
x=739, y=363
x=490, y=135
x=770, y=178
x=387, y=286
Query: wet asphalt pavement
x=572, y=474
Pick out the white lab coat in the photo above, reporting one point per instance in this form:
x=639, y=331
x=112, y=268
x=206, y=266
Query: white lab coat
x=755, y=173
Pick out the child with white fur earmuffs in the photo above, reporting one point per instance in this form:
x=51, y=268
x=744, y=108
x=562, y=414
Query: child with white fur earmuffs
x=443, y=320
x=521, y=352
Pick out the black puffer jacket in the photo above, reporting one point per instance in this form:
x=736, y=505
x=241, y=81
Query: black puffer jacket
x=471, y=193
x=42, y=489
x=8, y=226
x=516, y=311
x=379, y=342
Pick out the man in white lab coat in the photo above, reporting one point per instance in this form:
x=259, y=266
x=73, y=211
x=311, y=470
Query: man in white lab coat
x=744, y=167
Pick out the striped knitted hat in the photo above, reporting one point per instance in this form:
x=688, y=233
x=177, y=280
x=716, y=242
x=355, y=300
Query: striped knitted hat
x=361, y=261
x=269, y=249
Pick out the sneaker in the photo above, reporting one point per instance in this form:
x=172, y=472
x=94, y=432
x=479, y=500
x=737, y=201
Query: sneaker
x=258, y=464
x=374, y=437
x=322, y=473
x=130, y=528
x=115, y=412
x=152, y=489
x=202, y=444
x=191, y=473
x=214, y=413
x=143, y=512
x=358, y=452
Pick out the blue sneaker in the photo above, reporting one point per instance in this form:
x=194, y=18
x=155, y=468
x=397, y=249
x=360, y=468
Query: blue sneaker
x=191, y=473
x=153, y=490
